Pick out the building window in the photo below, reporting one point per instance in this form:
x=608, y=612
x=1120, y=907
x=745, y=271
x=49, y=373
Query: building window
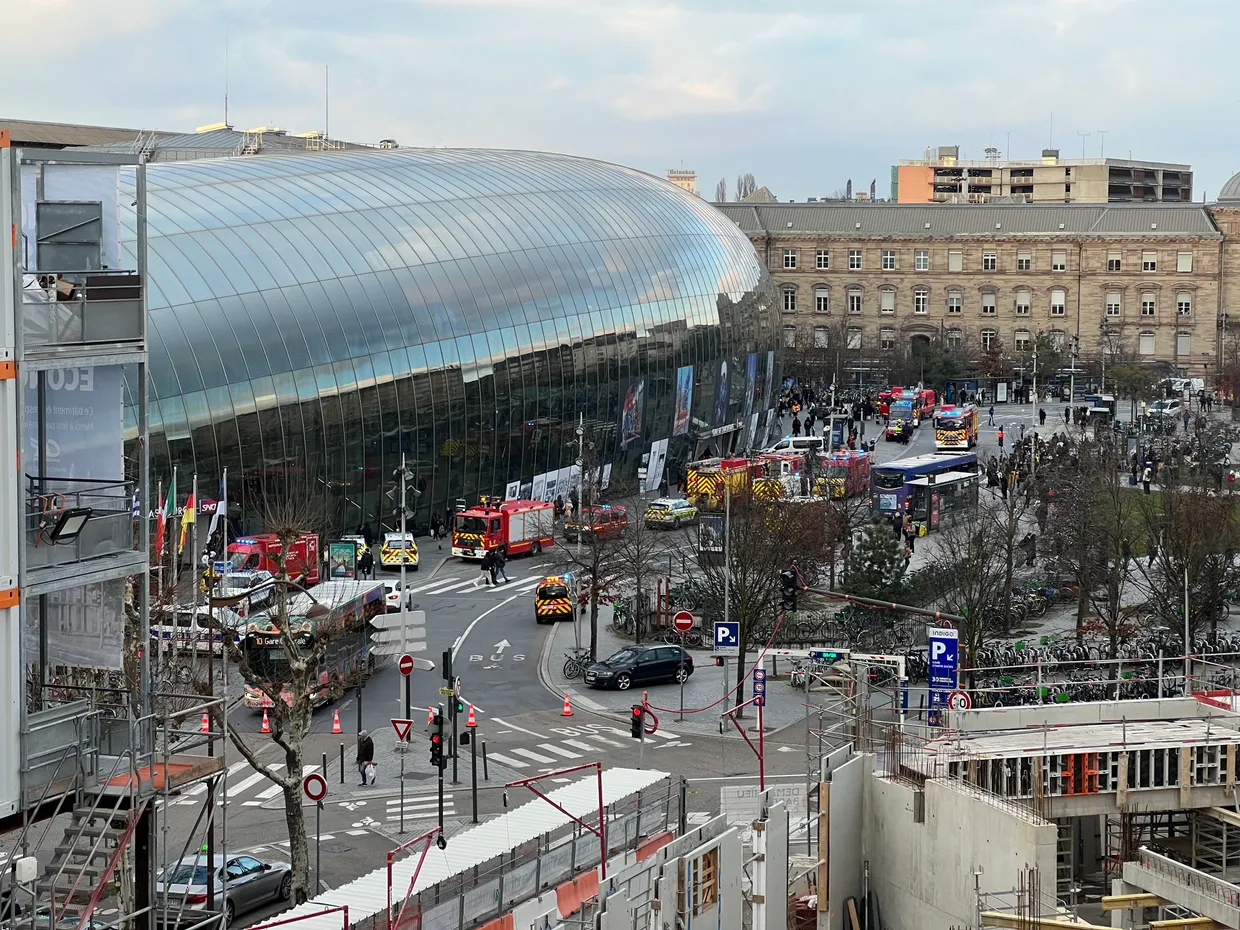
x=790, y=258
x=955, y=340
x=921, y=300
x=823, y=259
x=955, y=301
x=1114, y=305
x=854, y=259
x=1183, y=343
x=1149, y=304
x=1059, y=261
x=990, y=300
x=1023, y=342
x=1058, y=302
x=887, y=338
x=988, y=337
x=822, y=300
x=1115, y=261
x=889, y=260
x=820, y=337
x=1184, y=303
x=854, y=300
x=955, y=261
x=921, y=260
x=1024, y=261
x=1058, y=339
x=1149, y=261
x=990, y=261
x=854, y=337
x=887, y=300
x=790, y=337
x=1024, y=300
x=790, y=299
x=1183, y=261
x=1146, y=345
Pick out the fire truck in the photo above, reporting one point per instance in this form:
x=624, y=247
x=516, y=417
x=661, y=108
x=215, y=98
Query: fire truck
x=847, y=473
x=262, y=553
x=704, y=480
x=518, y=526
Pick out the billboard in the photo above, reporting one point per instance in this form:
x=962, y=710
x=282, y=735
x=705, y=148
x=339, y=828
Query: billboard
x=85, y=423
x=632, y=412
x=751, y=381
x=684, y=400
x=710, y=533
x=342, y=559
x=721, y=395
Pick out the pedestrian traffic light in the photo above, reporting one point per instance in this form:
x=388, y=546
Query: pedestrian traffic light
x=637, y=723
x=788, y=588
x=437, y=757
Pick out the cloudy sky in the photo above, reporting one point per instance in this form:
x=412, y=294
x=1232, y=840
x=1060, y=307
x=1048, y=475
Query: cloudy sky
x=805, y=94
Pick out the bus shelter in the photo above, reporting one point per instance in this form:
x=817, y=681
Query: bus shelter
x=938, y=500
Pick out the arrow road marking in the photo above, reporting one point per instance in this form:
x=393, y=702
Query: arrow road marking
x=501, y=646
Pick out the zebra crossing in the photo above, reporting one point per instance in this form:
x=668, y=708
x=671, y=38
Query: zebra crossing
x=244, y=786
x=470, y=585
x=418, y=807
x=587, y=745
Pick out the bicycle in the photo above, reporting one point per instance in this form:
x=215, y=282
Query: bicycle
x=575, y=663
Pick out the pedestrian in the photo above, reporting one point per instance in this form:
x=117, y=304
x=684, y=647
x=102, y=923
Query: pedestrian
x=910, y=533
x=1041, y=416
x=437, y=529
x=366, y=564
x=1146, y=477
x=991, y=421
x=365, y=756
x=1067, y=415
x=809, y=424
x=559, y=506
x=492, y=560
x=573, y=500
x=484, y=578
x=897, y=524
x=796, y=425
x=1000, y=437
x=500, y=559
x=1185, y=417
x=1022, y=433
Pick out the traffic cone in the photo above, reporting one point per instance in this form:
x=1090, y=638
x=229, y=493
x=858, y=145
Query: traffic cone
x=266, y=724
x=470, y=721
x=206, y=723
x=430, y=715
x=336, y=722
x=568, y=709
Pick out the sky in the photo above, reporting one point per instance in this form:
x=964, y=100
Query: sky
x=803, y=94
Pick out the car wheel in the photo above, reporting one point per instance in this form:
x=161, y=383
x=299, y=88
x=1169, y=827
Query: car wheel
x=537, y=547
x=682, y=673
x=286, y=886
x=230, y=911
x=624, y=682
x=676, y=523
x=414, y=567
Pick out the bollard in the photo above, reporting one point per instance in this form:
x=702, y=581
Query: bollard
x=485, y=775
x=342, y=763
x=324, y=766
x=921, y=705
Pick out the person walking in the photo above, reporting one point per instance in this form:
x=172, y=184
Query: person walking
x=492, y=560
x=366, y=564
x=500, y=560
x=910, y=533
x=1146, y=477
x=991, y=421
x=1041, y=416
x=365, y=755
x=796, y=425
x=1000, y=437
x=1067, y=415
x=437, y=529
x=484, y=578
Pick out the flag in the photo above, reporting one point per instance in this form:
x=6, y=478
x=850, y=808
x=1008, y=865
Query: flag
x=165, y=508
x=221, y=506
x=191, y=509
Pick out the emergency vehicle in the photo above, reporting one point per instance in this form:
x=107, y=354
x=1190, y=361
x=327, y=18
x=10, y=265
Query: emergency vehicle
x=553, y=599
x=518, y=526
x=847, y=473
x=704, y=480
x=262, y=553
x=397, y=548
x=956, y=428
x=597, y=522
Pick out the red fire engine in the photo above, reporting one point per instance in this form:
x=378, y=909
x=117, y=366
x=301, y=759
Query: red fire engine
x=262, y=552
x=518, y=526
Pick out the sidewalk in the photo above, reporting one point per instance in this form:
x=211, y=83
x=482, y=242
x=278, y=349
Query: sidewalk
x=703, y=692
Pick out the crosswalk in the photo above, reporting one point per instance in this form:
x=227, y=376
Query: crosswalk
x=244, y=786
x=418, y=807
x=586, y=746
x=515, y=585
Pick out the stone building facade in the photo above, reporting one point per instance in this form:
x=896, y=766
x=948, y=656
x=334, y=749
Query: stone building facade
x=1147, y=279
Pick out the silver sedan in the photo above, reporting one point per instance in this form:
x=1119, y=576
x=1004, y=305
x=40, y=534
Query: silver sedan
x=251, y=883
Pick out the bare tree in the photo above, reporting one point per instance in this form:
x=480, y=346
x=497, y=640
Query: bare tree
x=745, y=185
x=721, y=191
x=635, y=558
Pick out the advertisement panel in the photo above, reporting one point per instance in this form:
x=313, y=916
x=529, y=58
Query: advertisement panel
x=632, y=412
x=751, y=381
x=721, y=395
x=684, y=400
x=85, y=423
x=342, y=559
x=710, y=533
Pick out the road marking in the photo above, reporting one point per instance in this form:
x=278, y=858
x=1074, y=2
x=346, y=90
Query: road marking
x=578, y=744
x=432, y=798
x=271, y=792
x=530, y=754
x=602, y=739
x=356, y=832
x=234, y=790
x=200, y=788
x=671, y=744
x=428, y=809
x=526, y=586
x=506, y=723
x=456, y=647
x=440, y=587
x=327, y=836
x=560, y=751
x=508, y=760
x=660, y=733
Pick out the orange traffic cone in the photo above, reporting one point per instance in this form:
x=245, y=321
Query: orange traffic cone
x=430, y=715
x=471, y=721
x=266, y=723
x=336, y=722
x=206, y=723
x=568, y=709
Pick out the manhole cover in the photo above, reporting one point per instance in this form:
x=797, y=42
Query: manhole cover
x=337, y=848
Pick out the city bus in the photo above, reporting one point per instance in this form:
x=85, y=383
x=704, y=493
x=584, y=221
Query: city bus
x=346, y=630
x=891, y=482
x=956, y=428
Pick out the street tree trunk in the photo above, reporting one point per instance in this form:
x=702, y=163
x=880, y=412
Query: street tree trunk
x=295, y=819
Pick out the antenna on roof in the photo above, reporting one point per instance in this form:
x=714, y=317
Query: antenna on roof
x=225, y=76
x=326, y=102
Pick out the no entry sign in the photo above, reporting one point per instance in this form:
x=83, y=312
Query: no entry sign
x=683, y=621
x=406, y=664
x=315, y=786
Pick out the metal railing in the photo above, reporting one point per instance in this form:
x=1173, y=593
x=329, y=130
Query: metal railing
x=71, y=308
x=1216, y=888
x=108, y=530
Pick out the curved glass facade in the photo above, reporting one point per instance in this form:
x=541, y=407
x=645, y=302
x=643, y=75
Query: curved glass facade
x=321, y=314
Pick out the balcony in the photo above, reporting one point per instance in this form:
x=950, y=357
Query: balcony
x=80, y=309
x=87, y=524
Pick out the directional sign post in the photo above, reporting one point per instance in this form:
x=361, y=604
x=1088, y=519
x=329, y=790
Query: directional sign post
x=405, y=664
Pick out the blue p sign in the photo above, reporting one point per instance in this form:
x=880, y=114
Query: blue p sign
x=727, y=638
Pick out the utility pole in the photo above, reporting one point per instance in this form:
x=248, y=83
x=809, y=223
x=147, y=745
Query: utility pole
x=404, y=475
x=581, y=458
x=1102, y=133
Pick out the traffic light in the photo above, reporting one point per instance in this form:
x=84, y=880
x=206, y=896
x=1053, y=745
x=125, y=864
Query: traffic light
x=788, y=586
x=437, y=758
x=459, y=706
x=637, y=722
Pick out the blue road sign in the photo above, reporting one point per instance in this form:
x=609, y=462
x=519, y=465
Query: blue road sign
x=727, y=638
x=944, y=662
x=759, y=687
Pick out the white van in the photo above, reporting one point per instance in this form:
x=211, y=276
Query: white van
x=797, y=444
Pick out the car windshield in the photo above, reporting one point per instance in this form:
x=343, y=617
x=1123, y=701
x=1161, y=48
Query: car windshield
x=657, y=507
x=186, y=874
x=623, y=657
x=471, y=524
x=888, y=480
x=552, y=591
x=399, y=543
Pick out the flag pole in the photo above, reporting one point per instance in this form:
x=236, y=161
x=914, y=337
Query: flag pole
x=196, y=573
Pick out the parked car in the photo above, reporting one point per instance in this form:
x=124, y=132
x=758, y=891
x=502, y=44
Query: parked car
x=391, y=595
x=1165, y=408
x=251, y=883
x=640, y=665
x=670, y=512
x=597, y=521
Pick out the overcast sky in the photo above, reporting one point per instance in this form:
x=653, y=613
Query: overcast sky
x=805, y=94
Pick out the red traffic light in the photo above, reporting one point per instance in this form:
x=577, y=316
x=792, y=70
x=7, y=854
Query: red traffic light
x=637, y=711
x=435, y=738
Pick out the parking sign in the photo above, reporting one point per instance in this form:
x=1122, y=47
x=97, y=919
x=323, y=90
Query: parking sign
x=727, y=638
x=944, y=657
x=759, y=687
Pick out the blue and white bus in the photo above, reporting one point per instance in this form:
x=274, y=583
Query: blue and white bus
x=892, y=482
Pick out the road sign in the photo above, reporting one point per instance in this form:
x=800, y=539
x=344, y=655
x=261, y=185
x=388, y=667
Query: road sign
x=944, y=659
x=402, y=728
x=727, y=638
x=683, y=621
x=959, y=700
x=456, y=687
x=446, y=691
x=315, y=786
x=759, y=687
x=386, y=640
x=405, y=664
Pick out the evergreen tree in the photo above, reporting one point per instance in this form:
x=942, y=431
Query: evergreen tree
x=877, y=568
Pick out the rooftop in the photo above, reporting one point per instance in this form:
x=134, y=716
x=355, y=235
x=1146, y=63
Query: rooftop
x=35, y=134
x=995, y=220
x=1040, y=163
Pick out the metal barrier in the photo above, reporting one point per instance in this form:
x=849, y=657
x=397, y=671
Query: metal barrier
x=82, y=307
x=1222, y=891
